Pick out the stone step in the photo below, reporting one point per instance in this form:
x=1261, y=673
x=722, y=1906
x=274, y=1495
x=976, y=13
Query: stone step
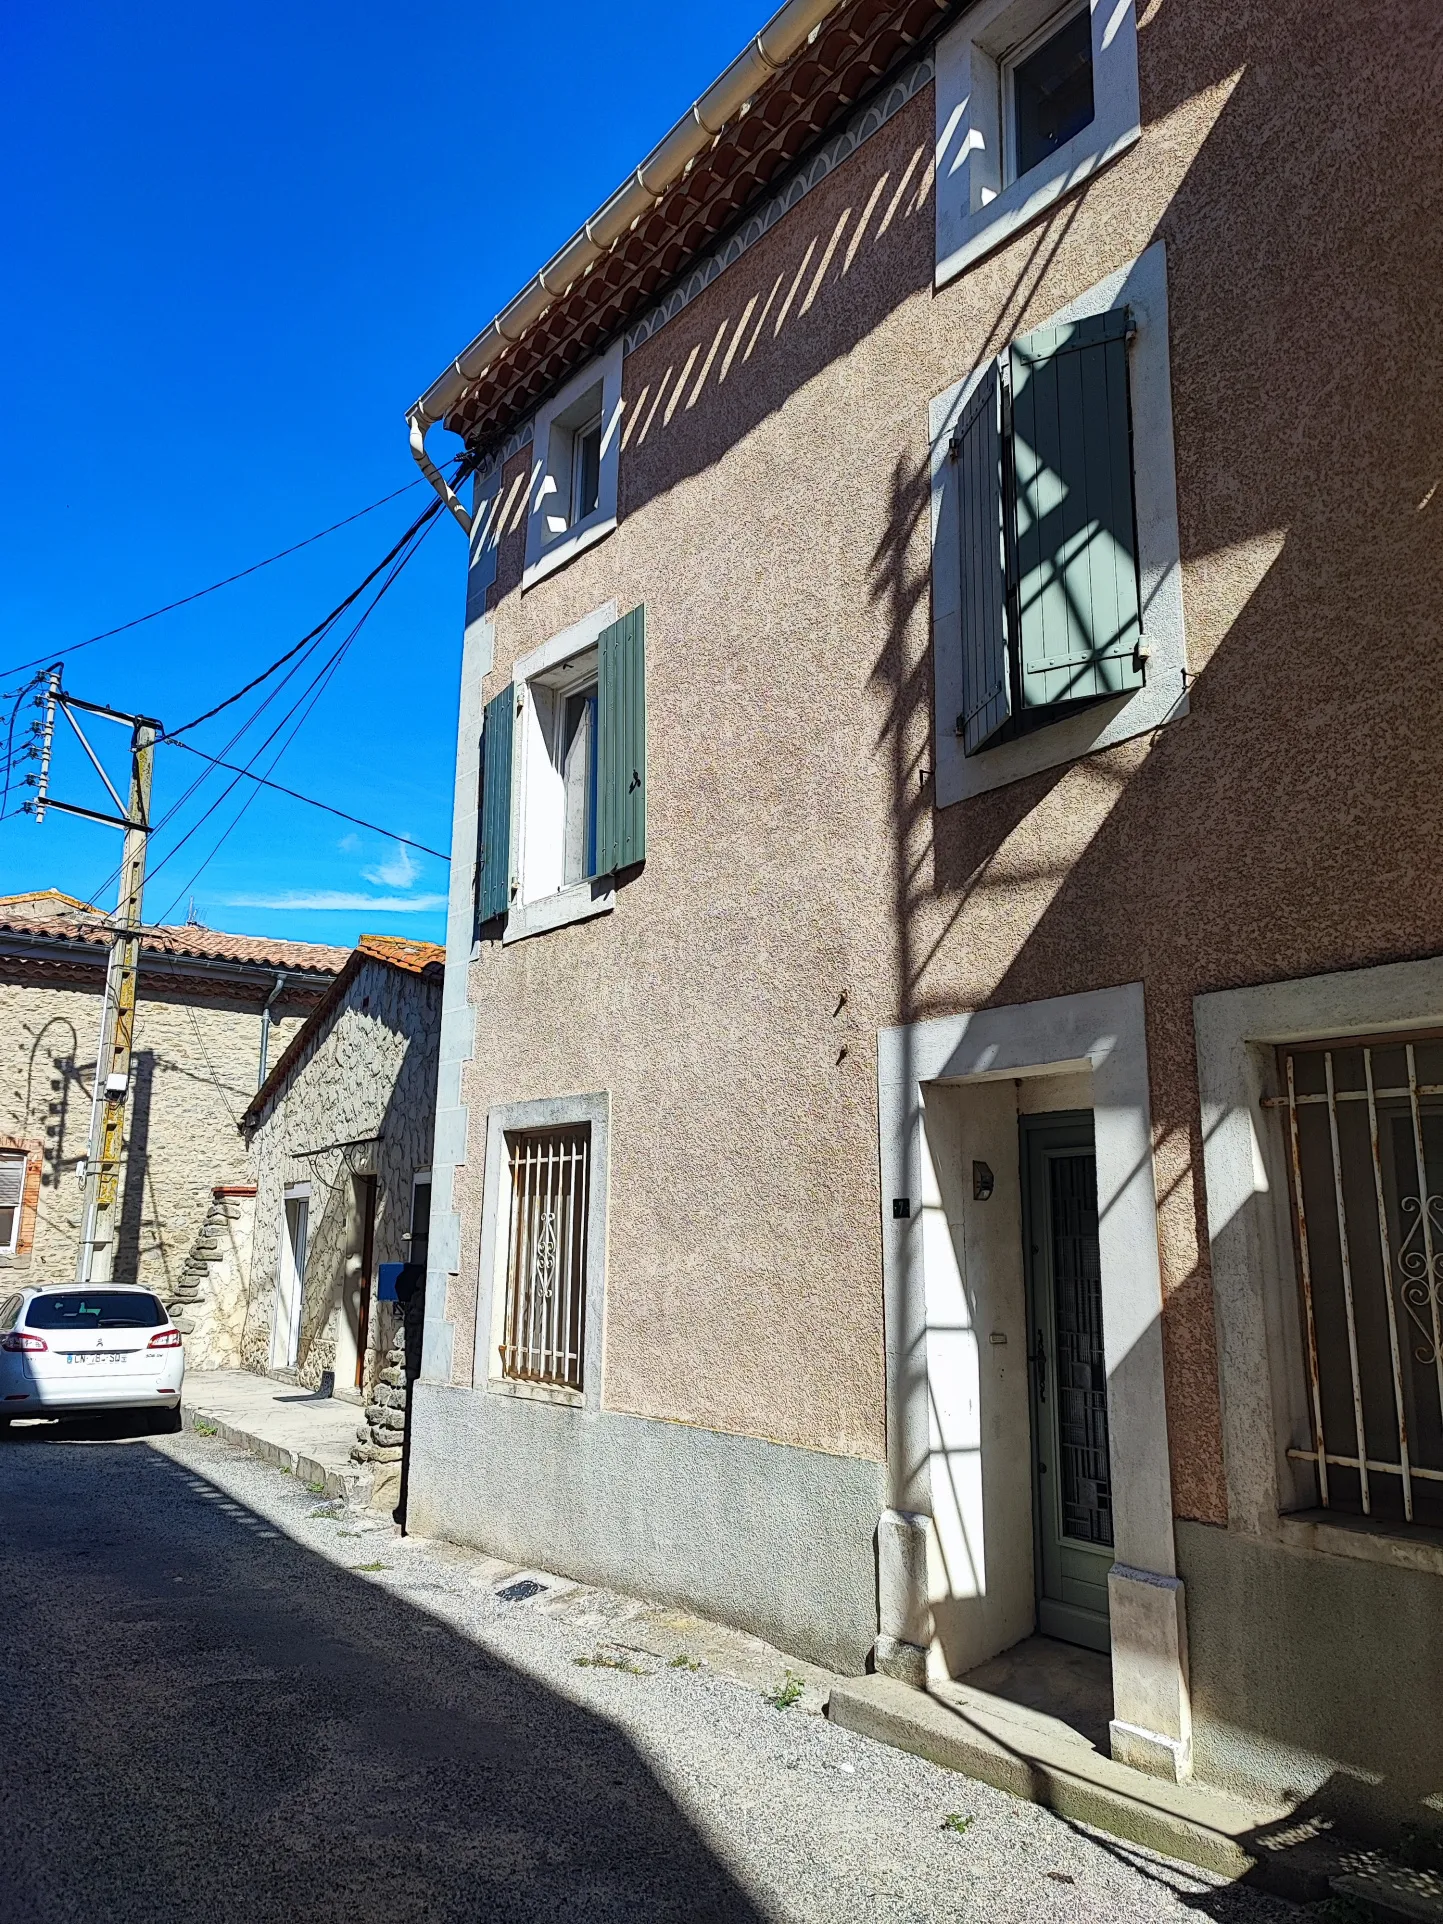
x=1031, y=1758
x=1393, y=1895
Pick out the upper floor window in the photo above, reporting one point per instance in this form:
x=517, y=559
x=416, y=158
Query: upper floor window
x=1047, y=92
x=1056, y=575
x=1044, y=457
x=575, y=450
x=563, y=781
x=1031, y=99
x=1363, y=1124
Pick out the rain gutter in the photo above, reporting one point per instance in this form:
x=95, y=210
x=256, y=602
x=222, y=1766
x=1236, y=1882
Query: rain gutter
x=784, y=35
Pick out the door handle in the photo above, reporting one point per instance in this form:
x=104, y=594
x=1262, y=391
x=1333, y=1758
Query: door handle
x=1038, y=1358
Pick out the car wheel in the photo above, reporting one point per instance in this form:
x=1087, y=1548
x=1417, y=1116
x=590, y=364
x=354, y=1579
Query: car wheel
x=167, y=1422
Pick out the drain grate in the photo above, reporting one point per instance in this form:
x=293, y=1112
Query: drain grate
x=519, y=1592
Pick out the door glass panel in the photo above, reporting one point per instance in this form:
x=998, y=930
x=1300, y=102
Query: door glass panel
x=1081, y=1368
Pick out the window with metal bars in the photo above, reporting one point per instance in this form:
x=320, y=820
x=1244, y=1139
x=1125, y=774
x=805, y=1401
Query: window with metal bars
x=543, y=1337
x=1364, y=1127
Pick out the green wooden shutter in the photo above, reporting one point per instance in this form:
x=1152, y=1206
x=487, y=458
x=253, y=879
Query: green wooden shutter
x=977, y=452
x=1076, y=542
x=621, y=744
x=497, y=729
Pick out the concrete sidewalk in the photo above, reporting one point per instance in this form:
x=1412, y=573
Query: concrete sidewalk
x=309, y=1435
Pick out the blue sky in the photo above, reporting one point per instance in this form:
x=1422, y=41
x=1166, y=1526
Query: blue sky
x=238, y=245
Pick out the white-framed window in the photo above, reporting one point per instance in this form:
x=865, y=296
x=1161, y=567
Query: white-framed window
x=575, y=454
x=418, y=1231
x=1031, y=98
x=563, y=780
x=1362, y=1126
x=543, y=1322
x=14, y=1165
x=1322, y=1130
x=1056, y=575
x=540, y=1316
x=1047, y=96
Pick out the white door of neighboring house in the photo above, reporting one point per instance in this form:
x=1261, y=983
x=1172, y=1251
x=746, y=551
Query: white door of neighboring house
x=290, y=1278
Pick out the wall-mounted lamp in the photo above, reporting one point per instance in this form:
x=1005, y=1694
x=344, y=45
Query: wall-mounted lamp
x=981, y=1182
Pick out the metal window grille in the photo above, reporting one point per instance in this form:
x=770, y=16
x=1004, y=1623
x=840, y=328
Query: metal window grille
x=1364, y=1125
x=544, y=1338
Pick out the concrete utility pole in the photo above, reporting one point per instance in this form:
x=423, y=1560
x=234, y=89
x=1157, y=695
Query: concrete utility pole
x=100, y=1218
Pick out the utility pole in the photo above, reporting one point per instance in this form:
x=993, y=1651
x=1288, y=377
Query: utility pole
x=100, y=1217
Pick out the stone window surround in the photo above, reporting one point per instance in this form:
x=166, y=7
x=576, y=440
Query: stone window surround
x=1141, y=286
x=544, y=555
x=1104, y=1031
x=1261, y=1375
x=34, y=1153
x=581, y=900
x=546, y=1112
x=976, y=211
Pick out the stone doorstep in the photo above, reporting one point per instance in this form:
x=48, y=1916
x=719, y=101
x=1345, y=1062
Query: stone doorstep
x=348, y=1486
x=1034, y=1757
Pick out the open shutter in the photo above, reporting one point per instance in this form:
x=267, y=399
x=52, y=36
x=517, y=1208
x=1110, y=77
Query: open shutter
x=977, y=449
x=497, y=728
x=621, y=744
x=1079, y=631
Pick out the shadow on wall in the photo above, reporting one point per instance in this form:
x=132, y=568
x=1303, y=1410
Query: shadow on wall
x=312, y=1746
x=1277, y=830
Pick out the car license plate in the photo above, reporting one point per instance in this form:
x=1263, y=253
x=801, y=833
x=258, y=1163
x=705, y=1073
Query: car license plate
x=96, y=1356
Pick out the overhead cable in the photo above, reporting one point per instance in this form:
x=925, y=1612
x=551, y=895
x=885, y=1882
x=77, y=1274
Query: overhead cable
x=75, y=646
x=419, y=523
x=305, y=703
x=309, y=800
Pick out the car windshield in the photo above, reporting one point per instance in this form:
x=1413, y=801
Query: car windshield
x=96, y=1309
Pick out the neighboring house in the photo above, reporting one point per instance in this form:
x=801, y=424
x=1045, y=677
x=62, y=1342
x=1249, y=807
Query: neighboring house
x=340, y=1150
x=941, y=1121
x=208, y=1007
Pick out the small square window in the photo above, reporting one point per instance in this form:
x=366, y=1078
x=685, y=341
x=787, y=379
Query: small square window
x=544, y=1330
x=586, y=468
x=572, y=503
x=572, y=492
x=1049, y=92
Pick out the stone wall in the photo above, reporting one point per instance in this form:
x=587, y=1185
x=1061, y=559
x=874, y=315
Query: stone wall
x=194, y=1070
x=360, y=1102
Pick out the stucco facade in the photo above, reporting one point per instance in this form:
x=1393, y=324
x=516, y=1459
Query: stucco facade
x=792, y=976
x=344, y=1124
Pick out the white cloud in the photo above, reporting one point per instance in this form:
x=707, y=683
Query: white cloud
x=337, y=899
x=348, y=844
x=398, y=871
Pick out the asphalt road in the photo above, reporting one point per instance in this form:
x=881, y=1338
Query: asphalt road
x=223, y=1700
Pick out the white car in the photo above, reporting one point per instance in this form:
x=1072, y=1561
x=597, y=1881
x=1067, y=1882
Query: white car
x=71, y=1350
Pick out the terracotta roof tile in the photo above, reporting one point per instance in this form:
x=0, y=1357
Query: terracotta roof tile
x=261, y=950
x=402, y=953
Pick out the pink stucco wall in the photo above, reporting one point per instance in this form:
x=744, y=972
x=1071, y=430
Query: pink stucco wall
x=774, y=520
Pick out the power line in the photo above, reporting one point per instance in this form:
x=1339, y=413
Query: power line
x=309, y=698
x=310, y=800
x=75, y=646
x=419, y=523
x=303, y=649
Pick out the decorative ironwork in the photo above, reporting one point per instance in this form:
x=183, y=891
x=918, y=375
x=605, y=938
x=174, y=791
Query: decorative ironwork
x=543, y=1339
x=1365, y=1154
x=1420, y=1274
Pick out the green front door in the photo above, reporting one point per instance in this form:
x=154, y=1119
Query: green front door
x=1070, y=1471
